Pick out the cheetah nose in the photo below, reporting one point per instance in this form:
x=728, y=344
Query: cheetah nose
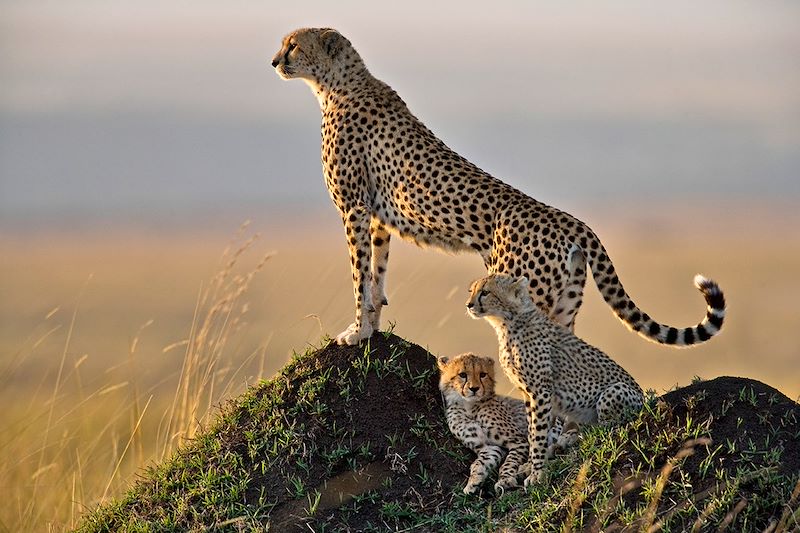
x=275, y=62
x=470, y=305
x=474, y=389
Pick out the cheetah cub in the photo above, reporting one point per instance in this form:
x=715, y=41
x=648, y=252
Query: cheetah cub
x=494, y=427
x=559, y=374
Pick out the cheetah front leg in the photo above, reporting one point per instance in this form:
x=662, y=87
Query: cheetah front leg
x=509, y=470
x=380, y=258
x=489, y=456
x=538, y=403
x=356, y=225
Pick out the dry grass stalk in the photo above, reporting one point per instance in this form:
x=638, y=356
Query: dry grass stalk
x=218, y=315
x=578, y=496
x=790, y=515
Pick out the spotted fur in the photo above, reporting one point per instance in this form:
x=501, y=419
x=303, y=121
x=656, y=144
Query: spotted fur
x=559, y=374
x=387, y=173
x=494, y=427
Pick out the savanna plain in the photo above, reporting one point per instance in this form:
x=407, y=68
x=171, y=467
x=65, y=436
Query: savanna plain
x=117, y=344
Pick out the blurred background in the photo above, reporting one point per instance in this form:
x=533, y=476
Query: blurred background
x=136, y=138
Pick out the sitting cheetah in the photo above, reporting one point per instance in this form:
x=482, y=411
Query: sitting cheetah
x=386, y=172
x=558, y=373
x=492, y=426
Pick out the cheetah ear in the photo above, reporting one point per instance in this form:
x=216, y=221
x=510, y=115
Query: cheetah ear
x=522, y=284
x=441, y=362
x=333, y=42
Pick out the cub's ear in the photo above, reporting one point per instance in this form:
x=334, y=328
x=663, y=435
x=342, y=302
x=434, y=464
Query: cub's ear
x=332, y=42
x=441, y=362
x=521, y=284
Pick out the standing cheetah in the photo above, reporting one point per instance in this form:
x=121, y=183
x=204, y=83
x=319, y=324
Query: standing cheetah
x=559, y=374
x=386, y=172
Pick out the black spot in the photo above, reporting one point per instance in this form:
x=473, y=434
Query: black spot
x=654, y=328
x=715, y=299
x=702, y=334
x=688, y=336
x=715, y=319
x=672, y=335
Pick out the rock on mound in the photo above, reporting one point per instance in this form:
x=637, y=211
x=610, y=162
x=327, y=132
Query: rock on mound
x=354, y=439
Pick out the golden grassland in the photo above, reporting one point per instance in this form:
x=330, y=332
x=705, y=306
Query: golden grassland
x=114, y=346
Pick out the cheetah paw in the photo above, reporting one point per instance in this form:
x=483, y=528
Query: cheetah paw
x=535, y=477
x=354, y=334
x=471, y=488
x=503, y=485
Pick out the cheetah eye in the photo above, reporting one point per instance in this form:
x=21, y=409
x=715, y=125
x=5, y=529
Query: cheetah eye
x=483, y=375
x=291, y=47
x=463, y=375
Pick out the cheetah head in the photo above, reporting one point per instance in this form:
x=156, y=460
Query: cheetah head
x=499, y=295
x=467, y=377
x=312, y=53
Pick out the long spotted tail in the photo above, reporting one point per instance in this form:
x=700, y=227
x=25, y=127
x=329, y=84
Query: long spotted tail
x=636, y=320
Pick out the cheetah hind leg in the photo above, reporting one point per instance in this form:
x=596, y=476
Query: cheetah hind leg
x=565, y=440
x=569, y=302
x=379, y=239
x=618, y=403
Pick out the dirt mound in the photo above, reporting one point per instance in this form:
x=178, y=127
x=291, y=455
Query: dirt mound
x=744, y=415
x=345, y=437
x=727, y=451
x=387, y=448
x=354, y=439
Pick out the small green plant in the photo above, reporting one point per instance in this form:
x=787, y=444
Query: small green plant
x=313, y=502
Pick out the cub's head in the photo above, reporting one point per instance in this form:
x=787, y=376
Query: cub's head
x=467, y=376
x=499, y=295
x=314, y=53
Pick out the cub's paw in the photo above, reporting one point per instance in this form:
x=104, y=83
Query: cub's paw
x=566, y=441
x=354, y=334
x=505, y=484
x=471, y=488
x=535, y=477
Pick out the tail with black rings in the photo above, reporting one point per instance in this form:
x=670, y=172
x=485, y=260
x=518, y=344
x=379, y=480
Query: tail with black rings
x=640, y=322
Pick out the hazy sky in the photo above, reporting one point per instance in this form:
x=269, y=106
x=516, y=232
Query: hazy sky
x=160, y=105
